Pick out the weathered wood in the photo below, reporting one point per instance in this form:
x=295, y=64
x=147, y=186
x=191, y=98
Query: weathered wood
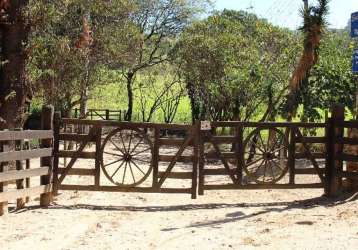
x=219, y=171
x=78, y=171
x=98, y=155
x=27, y=166
x=201, y=164
x=174, y=142
x=311, y=139
x=126, y=190
x=268, y=124
x=346, y=141
x=25, y=134
x=75, y=137
x=20, y=203
x=3, y=185
x=56, y=148
x=346, y=157
x=76, y=154
x=309, y=155
x=47, y=161
x=304, y=155
x=177, y=175
x=262, y=186
x=291, y=156
x=12, y=195
x=345, y=124
x=350, y=175
x=170, y=158
x=308, y=171
x=25, y=154
x=227, y=155
x=27, y=173
x=196, y=140
x=156, y=157
x=224, y=139
x=240, y=153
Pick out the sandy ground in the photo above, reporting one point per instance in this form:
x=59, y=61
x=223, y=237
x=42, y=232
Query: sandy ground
x=263, y=219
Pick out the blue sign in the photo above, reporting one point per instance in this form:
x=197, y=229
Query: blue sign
x=354, y=20
x=355, y=61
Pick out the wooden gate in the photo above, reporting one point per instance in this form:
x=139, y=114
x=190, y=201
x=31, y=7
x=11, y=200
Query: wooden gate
x=260, y=155
x=125, y=156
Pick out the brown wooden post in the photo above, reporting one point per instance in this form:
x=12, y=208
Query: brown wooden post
x=98, y=135
x=196, y=139
x=3, y=185
x=156, y=156
x=47, y=124
x=201, y=164
x=28, y=165
x=20, y=203
x=56, y=149
x=334, y=182
x=107, y=114
x=291, y=155
x=240, y=152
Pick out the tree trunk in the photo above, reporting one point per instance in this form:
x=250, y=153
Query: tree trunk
x=15, y=89
x=84, y=91
x=130, y=77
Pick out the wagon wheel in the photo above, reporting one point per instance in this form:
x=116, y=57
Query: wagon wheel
x=266, y=155
x=127, y=157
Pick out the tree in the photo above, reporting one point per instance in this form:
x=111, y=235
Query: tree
x=230, y=61
x=15, y=91
x=314, y=22
x=156, y=24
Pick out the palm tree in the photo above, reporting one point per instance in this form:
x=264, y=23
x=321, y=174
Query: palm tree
x=313, y=28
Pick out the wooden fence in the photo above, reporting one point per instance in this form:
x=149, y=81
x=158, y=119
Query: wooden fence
x=102, y=114
x=15, y=150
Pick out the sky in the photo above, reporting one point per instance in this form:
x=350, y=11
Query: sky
x=286, y=12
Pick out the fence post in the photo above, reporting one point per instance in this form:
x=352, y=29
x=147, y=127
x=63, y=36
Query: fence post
x=107, y=114
x=333, y=166
x=56, y=149
x=46, y=124
x=291, y=155
x=3, y=185
x=98, y=135
x=20, y=203
x=28, y=165
x=201, y=162
x=196, y=139
x=240, y=152
x=156, y=156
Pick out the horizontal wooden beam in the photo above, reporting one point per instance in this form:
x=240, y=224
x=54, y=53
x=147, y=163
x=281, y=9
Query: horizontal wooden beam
x=22, y=174
x=25, y=134
x=170, y=158
x=268, y=124
x=75, y=154
x=28, y=192
x=177, y=175
x=78, y=171
x=313, y=139
x=76, y=137
x=215, y=155
x=350, y=175
x=175, y=142
x=305, y=155
x=346, y=141
x=125, y=190
x=25, y=154
x=308, y=171
x=347, y=157
x=346, y=124
x=219, y=171
x=262, y=186
x=224, y=139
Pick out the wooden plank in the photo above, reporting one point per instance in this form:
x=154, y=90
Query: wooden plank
x=219, y=171
x=175, y=142
x=125, y=190
x=98, y=156
x=170, y=158
x=25, y=134
x=309, y=171
x=227, y=155
x=240, y=153
x=201, y=164
x=346, y=141
x=268, y=124
x=346, y=124
x=291, y=156
x=76, y=154
x=156, y=157
x=13, y=195
x=25, y=154
x=347, y=157
x=304, y=155
x=262, y=186
x=20, y=203
x=350, y=175
x=56, y=147
x=177, y=175
x=78, y=171
x=224, y=139
x=75, y=137
x=27, y=173
x=311, y=139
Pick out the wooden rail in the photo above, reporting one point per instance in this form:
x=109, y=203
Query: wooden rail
x=15, y=149
x=102, y=114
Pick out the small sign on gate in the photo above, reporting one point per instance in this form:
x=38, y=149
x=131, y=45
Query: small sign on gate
x=205, y=126
x=354, y=25
x=355, y=61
